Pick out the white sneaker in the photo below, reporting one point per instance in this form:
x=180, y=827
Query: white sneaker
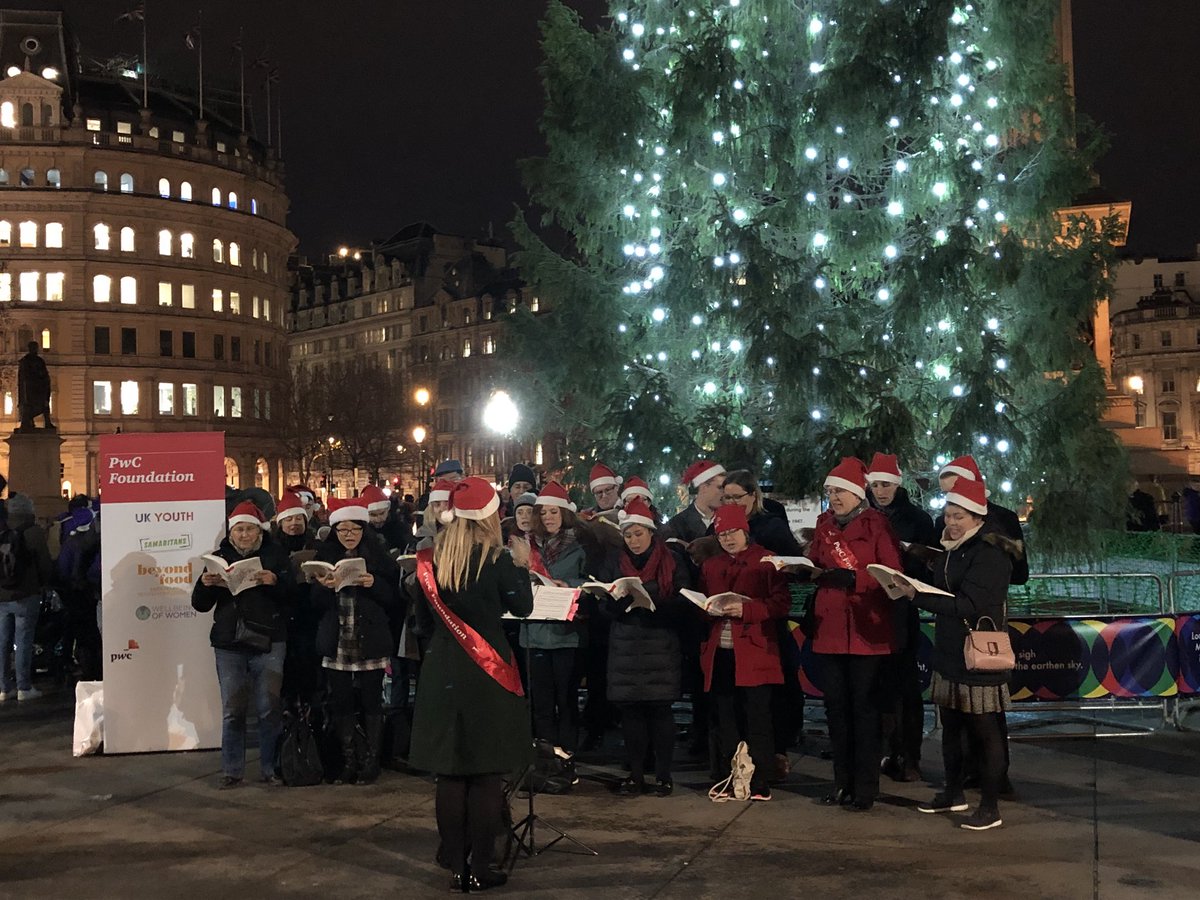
x=31, y=694
x=7, y=695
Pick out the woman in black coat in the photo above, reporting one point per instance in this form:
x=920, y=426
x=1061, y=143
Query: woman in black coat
x=302, y=668
x=471, y=720
x=245, y=670
x=354, y=638
x=644, y=656
x=975, y=569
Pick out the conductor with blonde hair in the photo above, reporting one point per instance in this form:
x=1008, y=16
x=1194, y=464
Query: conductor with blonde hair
x=471, y=721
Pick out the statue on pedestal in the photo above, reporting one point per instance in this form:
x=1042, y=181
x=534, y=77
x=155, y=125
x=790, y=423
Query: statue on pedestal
x=33, y=390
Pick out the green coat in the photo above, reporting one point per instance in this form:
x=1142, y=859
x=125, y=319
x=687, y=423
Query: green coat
x=464, y=723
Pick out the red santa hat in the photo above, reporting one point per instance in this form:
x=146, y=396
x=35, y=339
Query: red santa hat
x=472, y=498
x=635, y=487
x=290, y=505
x=963, y=467
x=729, y=517
x=246, y=512
x=636, y=512
x=700, y=471
x=970, y=495
x=353, y=510
x=849, y=475
x=375, y=498
x=884, y=467
x=440, y=492
x=602, y=476
x=305, y=495
x=554, y=494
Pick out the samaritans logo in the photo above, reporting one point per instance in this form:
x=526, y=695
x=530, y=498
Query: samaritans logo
x=143, y=613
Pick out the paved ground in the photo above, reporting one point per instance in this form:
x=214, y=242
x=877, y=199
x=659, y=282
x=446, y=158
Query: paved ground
x=1109, y=818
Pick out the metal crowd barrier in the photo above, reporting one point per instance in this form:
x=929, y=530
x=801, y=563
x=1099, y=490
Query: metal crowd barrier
x=1182, y=707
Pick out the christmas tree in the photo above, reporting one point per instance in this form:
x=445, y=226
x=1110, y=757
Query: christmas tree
x=791, y=230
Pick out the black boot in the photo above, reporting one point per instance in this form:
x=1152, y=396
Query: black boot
x=346, y=727
x=368, y=766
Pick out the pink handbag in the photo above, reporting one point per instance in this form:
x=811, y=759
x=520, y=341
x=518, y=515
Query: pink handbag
x=987, y=651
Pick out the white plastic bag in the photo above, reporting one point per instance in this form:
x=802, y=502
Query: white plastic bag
x=737, y=785
x=89, y=717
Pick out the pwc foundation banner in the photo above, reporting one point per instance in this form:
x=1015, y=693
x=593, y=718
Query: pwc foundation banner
x=163, y=499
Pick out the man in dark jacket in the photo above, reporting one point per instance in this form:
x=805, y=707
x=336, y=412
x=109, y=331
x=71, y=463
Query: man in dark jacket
x=705, y=480
x=20, y=600
x=902, y=705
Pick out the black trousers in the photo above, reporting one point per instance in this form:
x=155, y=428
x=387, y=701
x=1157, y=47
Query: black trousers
x=596, y=712
x=901, y=702
x=469, y=819
x=989, y=742
x=645, y=726
x=741, y=713
x=852, y=712
x=554, y=695
x=345, y=688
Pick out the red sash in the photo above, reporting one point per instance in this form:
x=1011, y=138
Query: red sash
x=842, y=554
x=477, y=648
x=535, y=560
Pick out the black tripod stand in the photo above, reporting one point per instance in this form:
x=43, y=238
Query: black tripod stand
x=524, y=831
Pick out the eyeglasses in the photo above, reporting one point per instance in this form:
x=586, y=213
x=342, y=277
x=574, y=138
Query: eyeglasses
x=734, y=498
x=604, y=491
x=349, y=530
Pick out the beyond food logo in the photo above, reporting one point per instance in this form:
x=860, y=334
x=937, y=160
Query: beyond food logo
x=124, y=654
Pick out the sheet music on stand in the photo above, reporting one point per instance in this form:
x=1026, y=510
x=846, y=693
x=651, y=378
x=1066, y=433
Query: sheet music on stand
x=552, y=603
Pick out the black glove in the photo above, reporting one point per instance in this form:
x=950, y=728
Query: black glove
x=837, y=578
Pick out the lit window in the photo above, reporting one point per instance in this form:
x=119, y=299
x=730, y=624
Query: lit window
x=126, y=183
x=8, y=117
x=28, y=234
x=93, y=124
x=100, y=233
x=190, y=397
x=100, y=180
x=124, y=128
x=101, y=288
x=220, y=146
x=177, y=137
x=29, y=286
x=218, y=251
x=235, y=402
x=218, y=300
x=185, y=190
x=187, y=296
x=129, y=290
x=3, y=176
x=266, y=268
x=256, y=308
x=54, y=286
x=232, y=200
x=534, y=304
x=126, y=239
x=102, y=398
x=54, y=178
x=45, y=338
x=187, y=245
x=267, y=308
x=164, y=187
x=5, y=233
x=153, y=131
x=235, y=254
x=216, y=196
x=218, y=400
x=129, y=398
x=254, y=258
x=164, y=242
x=54, y=234
x=489, y=345
x=235, y=303
x=165, y=294
x=253, y=207
x=466, y=347
x=5, y=287
x=166, y=398
x=8, y=403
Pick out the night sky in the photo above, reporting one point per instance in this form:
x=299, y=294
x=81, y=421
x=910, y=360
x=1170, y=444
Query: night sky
x=409, y=109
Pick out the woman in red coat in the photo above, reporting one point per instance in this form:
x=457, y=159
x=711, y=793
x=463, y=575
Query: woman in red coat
x=740, y=656
x=853, y=631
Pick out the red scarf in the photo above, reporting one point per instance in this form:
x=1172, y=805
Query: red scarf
x=828, y=533
x=473, y=643
x=660, y=568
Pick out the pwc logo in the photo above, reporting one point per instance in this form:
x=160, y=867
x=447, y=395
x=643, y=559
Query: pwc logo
x=127, y=653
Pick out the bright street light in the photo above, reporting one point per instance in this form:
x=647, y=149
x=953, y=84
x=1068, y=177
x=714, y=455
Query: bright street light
x=501, y=414
x=419, y=434
x=421, y=395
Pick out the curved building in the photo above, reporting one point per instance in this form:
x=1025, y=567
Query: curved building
x=144, y=248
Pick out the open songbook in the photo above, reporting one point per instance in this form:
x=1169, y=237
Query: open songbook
x=552, y=603
x=801, y=564
x=893, y=582
x=714, y=605
x=346, y=572
x=236, y=577
x=630, y=586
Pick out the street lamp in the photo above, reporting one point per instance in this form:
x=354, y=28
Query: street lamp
x=418, y=435
x=421, y=395
x=501, y=416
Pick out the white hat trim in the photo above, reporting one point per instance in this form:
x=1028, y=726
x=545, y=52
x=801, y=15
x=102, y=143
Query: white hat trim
x=636, y=491
x=439, y=496
x=624, y=519
x=351, y=513
x=245, y=519
x=968, y=505
x=292, y=511
x=890, y=477
x=959, y=471
x=554, y=501
x=605, y=481
x=379, y=506
x=857, y=490
x=488, y=510
x=711, y=472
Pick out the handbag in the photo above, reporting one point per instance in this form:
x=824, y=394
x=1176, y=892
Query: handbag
x=251, y=637
x=737, y=785
x=987, y=651
x=299, y=752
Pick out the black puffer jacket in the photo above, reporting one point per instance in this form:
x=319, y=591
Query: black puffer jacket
x=644, y=657
x=264, y=605
x=372, y=606
x=977, y=573
x=1007, y=523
